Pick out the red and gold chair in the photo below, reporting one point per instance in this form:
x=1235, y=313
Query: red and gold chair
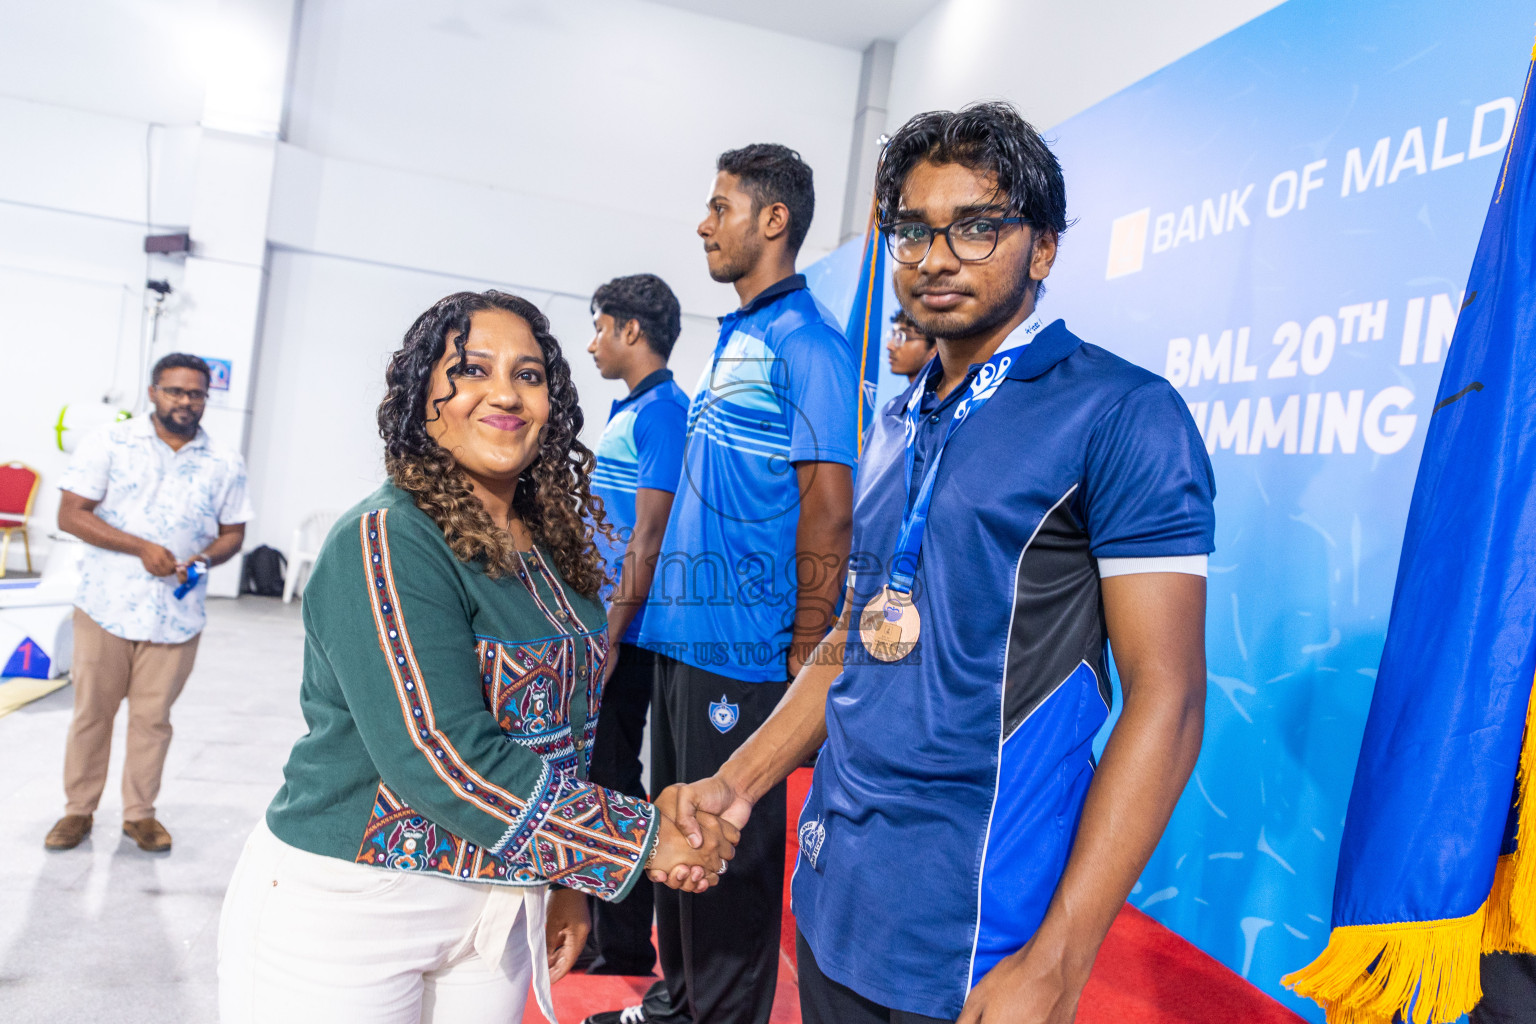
x=18, y=489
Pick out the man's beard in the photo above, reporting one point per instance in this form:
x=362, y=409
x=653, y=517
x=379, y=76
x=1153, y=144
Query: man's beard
x=940, y=324
x=741, y=265
x=185, y=428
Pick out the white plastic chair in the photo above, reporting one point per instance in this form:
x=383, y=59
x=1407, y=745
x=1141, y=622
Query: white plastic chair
x=305, y=549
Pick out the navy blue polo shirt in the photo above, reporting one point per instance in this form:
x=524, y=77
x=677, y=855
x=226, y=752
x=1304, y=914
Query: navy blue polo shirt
x=642, y=446
x=956, y=776
x=781, y=389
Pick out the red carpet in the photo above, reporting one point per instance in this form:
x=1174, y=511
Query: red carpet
x=1144, y=974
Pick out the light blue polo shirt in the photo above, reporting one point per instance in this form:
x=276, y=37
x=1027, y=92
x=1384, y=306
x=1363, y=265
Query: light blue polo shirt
x=957, y=775
x=781, y=389
x=642, y=446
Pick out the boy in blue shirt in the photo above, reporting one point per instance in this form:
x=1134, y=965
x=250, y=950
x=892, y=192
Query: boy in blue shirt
x=1031, y=500
x=637, y=320
x=755, y=552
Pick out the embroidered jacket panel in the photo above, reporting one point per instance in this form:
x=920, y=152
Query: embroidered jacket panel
x=451, y=716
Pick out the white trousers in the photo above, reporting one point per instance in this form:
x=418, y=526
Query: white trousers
x=306, y=939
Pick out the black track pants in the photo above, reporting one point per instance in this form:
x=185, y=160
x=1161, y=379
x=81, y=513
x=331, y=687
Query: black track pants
x=621, y=932
x=719, y=949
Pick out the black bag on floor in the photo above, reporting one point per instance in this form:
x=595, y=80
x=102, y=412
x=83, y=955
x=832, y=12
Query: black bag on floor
x=262, y=572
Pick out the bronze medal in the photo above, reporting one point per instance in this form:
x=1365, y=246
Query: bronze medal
x=890, y=625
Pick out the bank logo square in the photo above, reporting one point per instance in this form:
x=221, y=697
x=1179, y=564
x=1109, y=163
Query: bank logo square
x=1128, y=244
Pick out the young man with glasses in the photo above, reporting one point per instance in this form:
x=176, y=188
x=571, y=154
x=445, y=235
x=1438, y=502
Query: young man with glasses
x=751, y=567
x=1030, y=502
x=155, y=502
x=908, y=349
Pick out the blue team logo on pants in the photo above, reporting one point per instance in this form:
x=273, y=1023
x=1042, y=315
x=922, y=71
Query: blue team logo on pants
x=723, y=714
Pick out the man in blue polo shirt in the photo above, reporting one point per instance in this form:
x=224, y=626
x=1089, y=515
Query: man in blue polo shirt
x=1031, y=499
x=750, y=571
x=636, y=321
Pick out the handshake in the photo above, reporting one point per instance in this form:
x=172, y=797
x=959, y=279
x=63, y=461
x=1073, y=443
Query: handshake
x=699, y=825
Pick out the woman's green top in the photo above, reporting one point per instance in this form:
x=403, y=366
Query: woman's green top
x=451, y=716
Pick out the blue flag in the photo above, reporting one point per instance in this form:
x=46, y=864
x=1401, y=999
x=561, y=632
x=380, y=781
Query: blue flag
x=1438, y=862
x=864, y=324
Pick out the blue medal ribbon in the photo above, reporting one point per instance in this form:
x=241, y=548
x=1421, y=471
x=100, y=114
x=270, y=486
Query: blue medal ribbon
x=983, y=386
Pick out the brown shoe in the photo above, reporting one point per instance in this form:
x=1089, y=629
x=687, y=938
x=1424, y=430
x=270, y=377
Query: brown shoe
x=149, y=834
x=68, y=832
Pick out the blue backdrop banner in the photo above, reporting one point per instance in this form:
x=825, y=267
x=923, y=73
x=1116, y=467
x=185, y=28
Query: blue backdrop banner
x=1282, y=224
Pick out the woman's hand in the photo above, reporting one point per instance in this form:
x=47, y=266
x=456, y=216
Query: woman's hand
x=679, y=865
x=689, y=804
x=565, y=930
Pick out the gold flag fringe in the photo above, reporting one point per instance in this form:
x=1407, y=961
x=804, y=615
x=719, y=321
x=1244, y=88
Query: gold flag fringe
x=1429, y=971
x=1370, y=973
x=1506, y=929
x=1511, y=924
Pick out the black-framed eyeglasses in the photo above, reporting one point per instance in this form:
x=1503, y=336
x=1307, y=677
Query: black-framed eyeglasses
x=971, y=239
x=195, y=396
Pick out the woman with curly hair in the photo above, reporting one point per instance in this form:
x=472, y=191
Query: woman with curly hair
x=453, y=669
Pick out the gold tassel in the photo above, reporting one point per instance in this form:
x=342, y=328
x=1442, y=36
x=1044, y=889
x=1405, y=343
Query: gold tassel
x=1502, y=932
x=1525, y=832
x=1511, y=926
x=1370, y=973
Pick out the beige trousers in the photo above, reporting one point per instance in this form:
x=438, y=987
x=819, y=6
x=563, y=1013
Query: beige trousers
x=107, y=669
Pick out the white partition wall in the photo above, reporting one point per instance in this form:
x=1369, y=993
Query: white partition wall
x=88, y=159
x=539, y=148
x=1052, y=59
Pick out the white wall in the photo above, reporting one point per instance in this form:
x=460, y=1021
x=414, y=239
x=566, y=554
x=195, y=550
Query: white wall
x=1052, y=59
x=539, y=148
x=142, y=60
x=80, y=87
x=554, y=145
x=66, y=311
x=615, y=105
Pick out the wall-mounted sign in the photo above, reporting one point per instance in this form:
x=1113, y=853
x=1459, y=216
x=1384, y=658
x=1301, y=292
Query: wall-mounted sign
x=218, y=374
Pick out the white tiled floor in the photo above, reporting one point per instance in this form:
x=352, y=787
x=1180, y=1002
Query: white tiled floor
x=106, y=933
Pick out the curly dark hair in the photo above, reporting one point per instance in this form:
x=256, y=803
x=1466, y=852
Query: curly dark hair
x=989, y=137
x=771, y=173
x=553, y=497
x=645, y=299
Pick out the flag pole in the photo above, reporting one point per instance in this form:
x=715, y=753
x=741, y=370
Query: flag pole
x=871, y=242
x=864, y=319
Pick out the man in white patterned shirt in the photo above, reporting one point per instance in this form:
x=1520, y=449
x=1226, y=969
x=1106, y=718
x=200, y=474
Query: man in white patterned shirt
x=152, y=498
